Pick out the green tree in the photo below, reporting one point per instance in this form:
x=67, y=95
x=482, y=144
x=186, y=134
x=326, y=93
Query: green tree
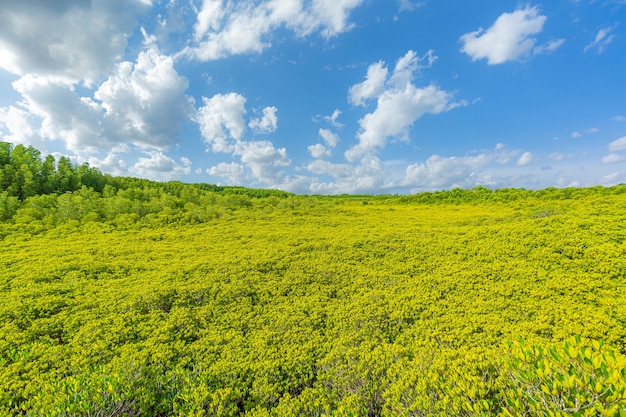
x=48, y=175
x=67, y=180
x=91, y=177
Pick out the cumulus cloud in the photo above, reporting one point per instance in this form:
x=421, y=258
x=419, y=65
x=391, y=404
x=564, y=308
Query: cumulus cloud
x=369, y=175
x=493, y=168
x=263, y=159
x=61, y=113
x=113, y=163
x=399, y=103
x=527, y=158
x=268, y=123
x=69, y=41
x=371, y=87
x=602, y=40
x=509, y=38
x=145, y=102
x=231, y=28
x=320, y=150
x=142, y=103
x=160, y=167
x=19, y=127
x=233, y=172
x=439, y=172
x=396, y=111
x=221, y=119
x=222, y=125
x=618, y=144
x=337, y=171
x=329, y=137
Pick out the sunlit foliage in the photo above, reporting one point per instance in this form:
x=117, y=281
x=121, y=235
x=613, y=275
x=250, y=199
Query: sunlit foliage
x=148, y=299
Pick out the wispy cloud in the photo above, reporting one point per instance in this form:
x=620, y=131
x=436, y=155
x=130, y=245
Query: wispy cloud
x=602, y=40
x=589, y=131
x=618, y=144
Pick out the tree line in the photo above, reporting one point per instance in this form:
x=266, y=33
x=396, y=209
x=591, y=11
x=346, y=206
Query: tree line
x=24, y=173
x=33, y=188
x=36, y=188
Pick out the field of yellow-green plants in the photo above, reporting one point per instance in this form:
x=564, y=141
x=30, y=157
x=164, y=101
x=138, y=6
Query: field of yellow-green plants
x=319, y=306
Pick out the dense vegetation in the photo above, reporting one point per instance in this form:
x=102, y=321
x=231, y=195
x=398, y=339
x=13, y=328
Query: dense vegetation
x=129, y=297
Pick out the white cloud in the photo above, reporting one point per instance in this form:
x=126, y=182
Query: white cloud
x=377, y=80
x=20, y=127
x=618, y=144
x=439, y=172
x=323, y=151
x=329, y=137
x=508, y=39
x=145, y=103
x=231, y=28
x=493, y=168
x=613, y=178
x=208, y=18
x=332, y=119
x=527, y=158
x=221, y=119
x=222, y=126
x=267, y=123
x=331, y=16
x=319, y=151
x=613, y=158
x=589, y=131
x=557, y=156
x=160, y=167
x=234, y=172
x=142, y=103
x=368, y=176
x=66, y=41
x=601, y=41
x=549, y=47
x=397, y=110
x=408, y=5
x=337, y=171
x=619, y=118
x=399, y=102
x=371, y=174
x=113, y=162
x=371, y=87
x=61, y=113
x=263, y=160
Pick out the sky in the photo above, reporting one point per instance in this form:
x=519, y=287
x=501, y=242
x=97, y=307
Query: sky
x=322, y=96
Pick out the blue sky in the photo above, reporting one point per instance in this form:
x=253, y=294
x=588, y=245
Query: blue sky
x=322, y=96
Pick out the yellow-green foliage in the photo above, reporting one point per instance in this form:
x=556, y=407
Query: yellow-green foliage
x=317, y=306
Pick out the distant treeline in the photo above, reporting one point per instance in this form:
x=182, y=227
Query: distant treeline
x=483, y=194
x=37, y=189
